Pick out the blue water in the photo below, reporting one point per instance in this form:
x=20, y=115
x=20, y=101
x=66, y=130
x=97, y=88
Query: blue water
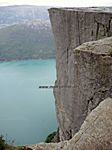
x=27, y=113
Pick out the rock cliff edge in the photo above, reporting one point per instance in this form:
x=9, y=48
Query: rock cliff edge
x=84, y=78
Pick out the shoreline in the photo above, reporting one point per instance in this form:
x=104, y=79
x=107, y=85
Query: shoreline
x=13, y=60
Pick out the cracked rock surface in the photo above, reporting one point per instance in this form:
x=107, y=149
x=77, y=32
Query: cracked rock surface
x=83, y=91
x=84, y=76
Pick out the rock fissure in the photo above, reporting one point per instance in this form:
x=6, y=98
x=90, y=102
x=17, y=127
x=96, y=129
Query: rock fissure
x=78, y=28
x=92, y=103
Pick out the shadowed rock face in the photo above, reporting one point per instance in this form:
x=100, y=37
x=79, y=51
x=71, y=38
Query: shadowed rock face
x=84, y=76
x=94, y=134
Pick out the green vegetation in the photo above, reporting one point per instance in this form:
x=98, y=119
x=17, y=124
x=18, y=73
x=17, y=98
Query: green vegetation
x=2, y=143
x=21, y=148
x=50, y=137
x=5, y=146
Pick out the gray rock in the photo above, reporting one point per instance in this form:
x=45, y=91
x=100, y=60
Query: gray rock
x=84, y=77
x=95, y=133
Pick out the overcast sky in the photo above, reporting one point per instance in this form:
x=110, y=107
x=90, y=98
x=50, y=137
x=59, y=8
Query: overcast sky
x=67, y=3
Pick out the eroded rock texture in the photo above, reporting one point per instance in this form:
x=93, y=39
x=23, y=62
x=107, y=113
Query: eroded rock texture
x=94, y=134
x=96, y=131
x=84, y=76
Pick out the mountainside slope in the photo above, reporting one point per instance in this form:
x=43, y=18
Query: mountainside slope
x=27, y=40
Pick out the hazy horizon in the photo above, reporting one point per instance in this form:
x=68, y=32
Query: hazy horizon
x=58, y=3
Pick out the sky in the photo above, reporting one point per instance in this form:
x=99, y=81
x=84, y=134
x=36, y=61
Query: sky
x=65, y=3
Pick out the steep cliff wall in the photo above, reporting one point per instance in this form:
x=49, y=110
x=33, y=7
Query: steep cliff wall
x=83, y=77
x=95, y=132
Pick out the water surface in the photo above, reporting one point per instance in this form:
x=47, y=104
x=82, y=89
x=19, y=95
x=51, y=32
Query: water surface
x=27, y=113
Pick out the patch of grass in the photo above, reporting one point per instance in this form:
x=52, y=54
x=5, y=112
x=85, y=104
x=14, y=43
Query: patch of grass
x=23, y=148
x=50, y=137
x=4, y=145
x=20, y=148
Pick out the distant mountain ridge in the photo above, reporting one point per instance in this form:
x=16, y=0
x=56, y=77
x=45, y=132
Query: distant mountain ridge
x=25, y=33
x=29, y=40
x=21, y=13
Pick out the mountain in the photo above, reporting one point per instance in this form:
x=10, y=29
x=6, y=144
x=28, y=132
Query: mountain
x=16, y=14
x=25, y=33
x=29, y=40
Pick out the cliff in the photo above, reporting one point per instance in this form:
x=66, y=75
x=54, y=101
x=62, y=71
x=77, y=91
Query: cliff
x=82, y=77
x=94, y=134
x=84, y=83
x=93, y=71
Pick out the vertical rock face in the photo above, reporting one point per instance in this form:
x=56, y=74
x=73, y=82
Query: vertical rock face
x=83, y=78
x=94, y=134
x=96, y=131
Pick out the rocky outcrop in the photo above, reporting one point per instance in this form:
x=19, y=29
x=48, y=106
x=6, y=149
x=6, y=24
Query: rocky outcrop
x=84, y=79
x=48, y=146
x=83, y=74
x=94, y=134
